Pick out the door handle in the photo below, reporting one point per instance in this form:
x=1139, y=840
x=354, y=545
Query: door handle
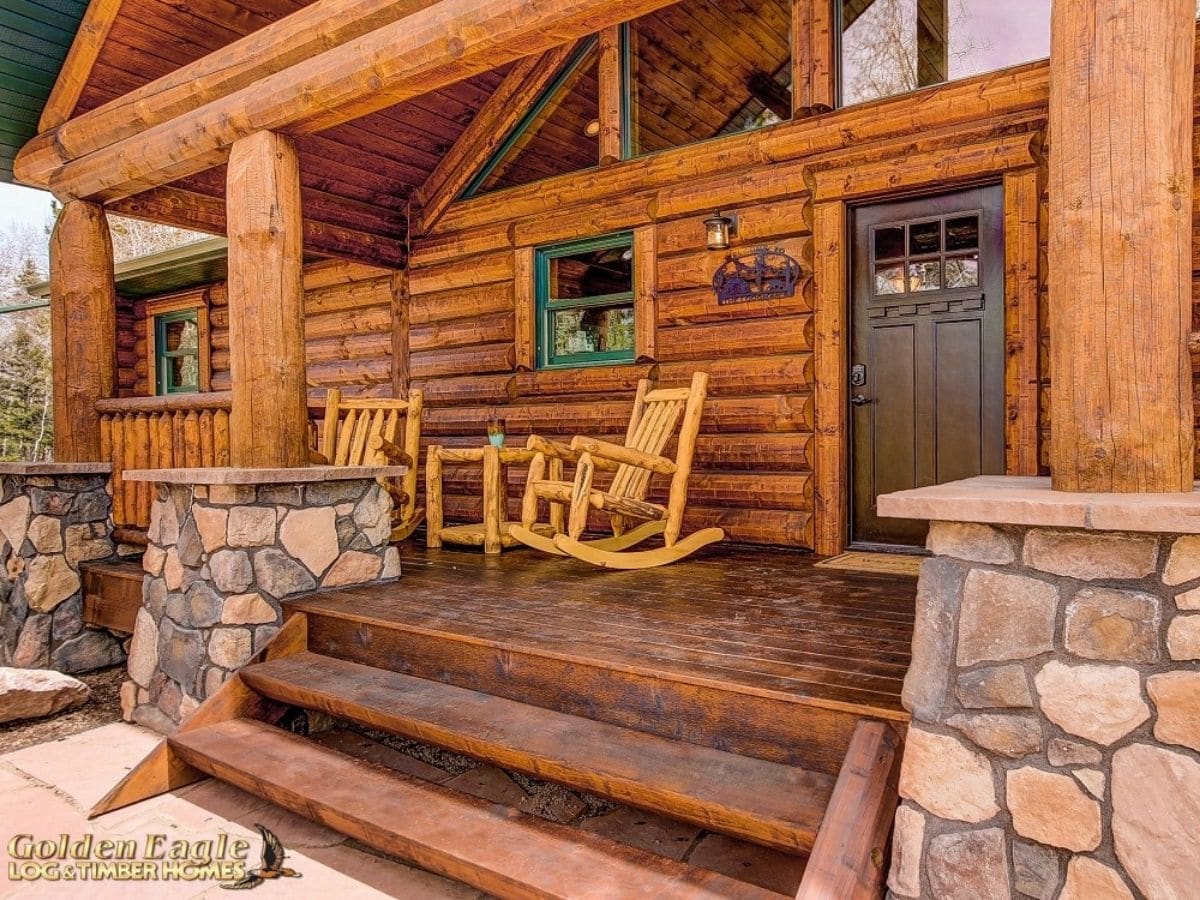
x=859, y=400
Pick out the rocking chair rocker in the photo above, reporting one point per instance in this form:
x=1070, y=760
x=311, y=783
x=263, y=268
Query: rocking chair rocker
x=657, y=416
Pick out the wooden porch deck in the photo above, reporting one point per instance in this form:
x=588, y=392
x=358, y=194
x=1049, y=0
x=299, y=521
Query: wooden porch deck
x=766, y=622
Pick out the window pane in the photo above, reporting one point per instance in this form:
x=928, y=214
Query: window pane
x=181, y=334
x=592, y=330
x=592, y=273
x=183, y=372
x=925, y=276
x=562, y=137
x=889, y=279
x=962, y=271
x=925, y=237
x=962, y=233
x=894, y=46
x=889, y=242
x=702, y=68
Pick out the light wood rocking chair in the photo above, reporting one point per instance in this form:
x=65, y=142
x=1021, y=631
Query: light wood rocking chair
x=657, y=415
x=367, y=433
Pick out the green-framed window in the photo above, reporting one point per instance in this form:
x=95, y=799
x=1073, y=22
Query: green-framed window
x=177, y=352
x=585, y=302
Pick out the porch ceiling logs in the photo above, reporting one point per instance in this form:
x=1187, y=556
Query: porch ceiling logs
x=83, y=328
x=1120, y=253
x=269, y=419
x=440, y=45
x=202, y=212
x=294, y=38
x=490, y=127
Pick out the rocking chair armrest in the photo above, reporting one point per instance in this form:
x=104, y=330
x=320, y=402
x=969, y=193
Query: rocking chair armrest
x=547, y=447
x=615, y=453
x=317, y=459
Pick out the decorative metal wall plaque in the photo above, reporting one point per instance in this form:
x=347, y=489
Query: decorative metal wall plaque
x=761, y=274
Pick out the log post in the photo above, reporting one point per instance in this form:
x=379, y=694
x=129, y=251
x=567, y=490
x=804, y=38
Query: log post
x=1120, y=250
x=269, y=419
x=83, y=328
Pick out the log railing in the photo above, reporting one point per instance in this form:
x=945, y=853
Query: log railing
x=183, y=431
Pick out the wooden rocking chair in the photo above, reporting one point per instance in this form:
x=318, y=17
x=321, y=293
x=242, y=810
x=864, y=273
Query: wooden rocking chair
x=657, y=416
x=365, y=433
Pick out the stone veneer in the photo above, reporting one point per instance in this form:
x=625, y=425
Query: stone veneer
x=1055, y=692
x=221, y=558
x=53, y=517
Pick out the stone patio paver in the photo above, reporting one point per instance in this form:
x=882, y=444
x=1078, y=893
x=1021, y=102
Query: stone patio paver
x=47, y=789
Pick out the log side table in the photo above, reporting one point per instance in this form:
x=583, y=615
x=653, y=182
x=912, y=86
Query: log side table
x=492, y=533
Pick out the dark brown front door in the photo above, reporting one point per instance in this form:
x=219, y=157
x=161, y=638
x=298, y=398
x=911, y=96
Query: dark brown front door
x=927, y=367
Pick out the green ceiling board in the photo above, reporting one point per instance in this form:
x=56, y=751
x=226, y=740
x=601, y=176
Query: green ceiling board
x=35, y=36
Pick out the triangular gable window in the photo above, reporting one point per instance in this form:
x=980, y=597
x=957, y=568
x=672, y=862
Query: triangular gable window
x=558, y=135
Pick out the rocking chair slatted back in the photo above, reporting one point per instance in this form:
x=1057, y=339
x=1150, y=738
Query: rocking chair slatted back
x=368, y=432
x=656, y=413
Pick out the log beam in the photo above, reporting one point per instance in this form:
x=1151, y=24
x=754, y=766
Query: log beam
x=611, y=89
x=813, y=57
x=83, y=328
x=269, y=420
x=1121, y=245
x=77, y=67
x=487, y=131
x=440, y=45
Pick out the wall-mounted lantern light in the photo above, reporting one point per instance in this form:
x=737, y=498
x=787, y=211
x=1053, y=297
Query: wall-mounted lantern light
x=718, y=230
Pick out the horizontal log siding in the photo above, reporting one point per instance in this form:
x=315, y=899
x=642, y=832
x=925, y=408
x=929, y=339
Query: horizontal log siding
x=753, y=471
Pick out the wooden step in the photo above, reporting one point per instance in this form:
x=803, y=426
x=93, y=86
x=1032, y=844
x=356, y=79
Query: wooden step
x=112, y=594
x=700, y=704
x=767, y=802
x=486, y=845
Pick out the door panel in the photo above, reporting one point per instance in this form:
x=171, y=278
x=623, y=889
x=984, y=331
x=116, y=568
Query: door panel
x=928, y=324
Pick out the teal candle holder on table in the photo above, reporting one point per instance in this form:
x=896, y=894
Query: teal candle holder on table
x=495, y=431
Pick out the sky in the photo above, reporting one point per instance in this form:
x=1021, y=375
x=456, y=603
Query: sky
x=23, y=206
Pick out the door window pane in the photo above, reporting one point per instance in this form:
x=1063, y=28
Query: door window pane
x=891, y=47
x=962, y=271
x=925, y=276
x=889, y=278
x=889, y=242
x=925, y=237
x=962, y=233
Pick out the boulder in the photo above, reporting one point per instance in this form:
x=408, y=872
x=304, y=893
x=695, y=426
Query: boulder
x=90, y=649
x=33, y=693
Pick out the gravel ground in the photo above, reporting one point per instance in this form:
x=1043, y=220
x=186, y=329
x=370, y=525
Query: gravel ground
x=103, y=707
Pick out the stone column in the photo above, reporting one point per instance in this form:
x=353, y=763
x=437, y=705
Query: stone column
x=227, y=547
x=53, y=517
x=1055, y=693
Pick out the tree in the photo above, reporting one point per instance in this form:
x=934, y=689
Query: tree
x=26, y=388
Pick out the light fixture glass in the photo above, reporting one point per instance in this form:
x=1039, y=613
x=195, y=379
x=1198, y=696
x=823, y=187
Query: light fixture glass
x=717, y=231
x=593, y=128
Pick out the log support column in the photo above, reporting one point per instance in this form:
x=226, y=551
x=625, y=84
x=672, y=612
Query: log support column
x=269, y=418
x=83, y=328
x=1120, y=277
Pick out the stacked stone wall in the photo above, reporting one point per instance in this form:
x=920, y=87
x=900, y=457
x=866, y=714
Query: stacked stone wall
x=1055, y=693
x=221, y=559
x=49, y=526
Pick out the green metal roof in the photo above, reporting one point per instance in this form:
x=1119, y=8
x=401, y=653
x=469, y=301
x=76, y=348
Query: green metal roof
x=35, y=36
x=165, y=272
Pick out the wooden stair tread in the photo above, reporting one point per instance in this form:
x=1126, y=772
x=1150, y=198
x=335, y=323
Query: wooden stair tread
x=767, y=802
x=483, y=844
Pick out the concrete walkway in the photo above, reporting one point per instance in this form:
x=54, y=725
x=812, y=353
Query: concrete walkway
x=46, y=790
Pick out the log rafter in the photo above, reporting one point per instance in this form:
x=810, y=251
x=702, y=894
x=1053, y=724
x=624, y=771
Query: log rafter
x=487, y=131
x=437, y=46
x=77, y=67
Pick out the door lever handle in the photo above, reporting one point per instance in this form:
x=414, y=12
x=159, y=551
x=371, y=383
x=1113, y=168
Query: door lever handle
x=859, y=400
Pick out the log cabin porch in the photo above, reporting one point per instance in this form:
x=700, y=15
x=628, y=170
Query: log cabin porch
x=763, y=694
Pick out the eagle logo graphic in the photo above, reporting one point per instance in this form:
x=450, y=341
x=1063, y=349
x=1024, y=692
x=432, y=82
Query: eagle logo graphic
x=271, y=866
